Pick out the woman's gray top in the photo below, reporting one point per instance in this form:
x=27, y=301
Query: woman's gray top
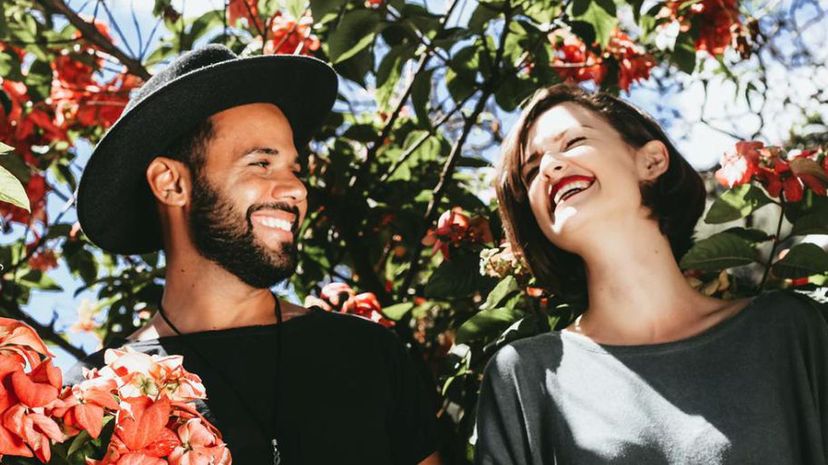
x=751, y=390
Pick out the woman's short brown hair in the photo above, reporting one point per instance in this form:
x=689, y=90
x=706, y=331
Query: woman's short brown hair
x=676, y=199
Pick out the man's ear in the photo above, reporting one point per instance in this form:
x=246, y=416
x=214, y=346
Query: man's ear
x=169, y=181
x=652, y=160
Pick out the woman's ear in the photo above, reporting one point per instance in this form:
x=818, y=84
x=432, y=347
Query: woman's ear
x=652, y=160
x=169, y=181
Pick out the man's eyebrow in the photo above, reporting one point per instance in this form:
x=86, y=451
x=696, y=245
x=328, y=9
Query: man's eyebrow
x=264, y=150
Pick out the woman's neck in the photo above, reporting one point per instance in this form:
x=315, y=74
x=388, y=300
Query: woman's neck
x=637, y=293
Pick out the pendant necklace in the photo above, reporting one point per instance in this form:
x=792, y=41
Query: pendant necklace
x=277, y=310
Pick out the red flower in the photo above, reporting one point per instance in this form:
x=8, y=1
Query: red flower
x=38, y=388
x=247, y=9
x=35, y=429
x=84, y=405
x=739, y=167
x=341, y=297
x=291, y=36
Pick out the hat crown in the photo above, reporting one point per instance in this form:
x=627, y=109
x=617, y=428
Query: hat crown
x=193, y=60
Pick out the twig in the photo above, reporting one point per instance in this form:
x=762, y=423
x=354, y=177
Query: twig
x=94, y=36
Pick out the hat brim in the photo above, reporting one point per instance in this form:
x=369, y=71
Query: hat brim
x=115, y=205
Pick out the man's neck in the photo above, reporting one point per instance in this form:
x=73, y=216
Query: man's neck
x=199, y=295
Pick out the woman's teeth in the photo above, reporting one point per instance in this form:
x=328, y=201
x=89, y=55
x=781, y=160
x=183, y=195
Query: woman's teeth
x=571, y=189
x=284, y=225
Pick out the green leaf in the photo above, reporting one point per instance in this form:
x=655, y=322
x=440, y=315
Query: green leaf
x=12, y=191
x=801, y=261
x=600, y=14
x=454, y=278
x=506, y=287
x=356, y=32
x=736, y=203
x=815, y=223
x=487, y=324
x=750, y=235
x=39, y=280
x=320, y=8
x=684, y=53
x=420, y=94
x=460, y=77
x=397, y=311
x=717, y=252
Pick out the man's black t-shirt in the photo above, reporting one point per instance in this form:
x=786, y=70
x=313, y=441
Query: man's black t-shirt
x=347, y=390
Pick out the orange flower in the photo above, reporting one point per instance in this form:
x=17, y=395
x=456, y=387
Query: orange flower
x=247, y=9
x=38, y=388
x=291, y=36
x=141, y=421
x=198, y=445
x=35, y=429
x=85, y=403
x=18, y=338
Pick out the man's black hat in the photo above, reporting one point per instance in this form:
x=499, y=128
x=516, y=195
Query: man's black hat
x=116, y=208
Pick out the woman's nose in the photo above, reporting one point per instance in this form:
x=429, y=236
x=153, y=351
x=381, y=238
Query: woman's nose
x=551, y=165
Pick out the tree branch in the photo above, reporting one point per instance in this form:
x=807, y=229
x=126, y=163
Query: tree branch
x=448, y=169
x=46, y=332
x=94, y=36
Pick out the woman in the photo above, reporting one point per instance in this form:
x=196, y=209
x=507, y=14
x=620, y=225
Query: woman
x=601, y=205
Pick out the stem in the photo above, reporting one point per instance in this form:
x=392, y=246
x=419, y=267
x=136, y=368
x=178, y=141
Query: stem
x=91, y=33
x=776, y=243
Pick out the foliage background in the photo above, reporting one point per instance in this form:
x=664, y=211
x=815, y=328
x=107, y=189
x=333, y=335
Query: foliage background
x=428, y=90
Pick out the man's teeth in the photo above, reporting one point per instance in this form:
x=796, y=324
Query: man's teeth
x=275, y=223
x=571, y=188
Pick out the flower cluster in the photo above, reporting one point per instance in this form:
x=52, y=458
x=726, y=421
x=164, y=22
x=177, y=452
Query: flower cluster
x=284, y=33
x=455, y=228
x=575, y=61
x=77, y=100
x=717, y=21
x=341, y=297
x=27, y=396
x=500, y=262
x=780, y=173
x=149, y=398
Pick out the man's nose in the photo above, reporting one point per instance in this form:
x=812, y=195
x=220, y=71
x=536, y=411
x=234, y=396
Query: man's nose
x=290, y=188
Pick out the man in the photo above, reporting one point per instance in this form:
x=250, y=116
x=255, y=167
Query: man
x=204, y=164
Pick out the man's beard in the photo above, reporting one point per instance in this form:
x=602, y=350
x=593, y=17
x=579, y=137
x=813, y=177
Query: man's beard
x=222, y=235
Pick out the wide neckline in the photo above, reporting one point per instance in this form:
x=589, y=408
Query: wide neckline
x=714, y=332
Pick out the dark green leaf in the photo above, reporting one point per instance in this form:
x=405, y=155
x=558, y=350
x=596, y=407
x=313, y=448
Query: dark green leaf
x=454, y=278
x=396, y=312
x=506, y=287
x=320, y=8
x=684, y=53
x=717, y=252
x=420, y=93
x=750, y=235
x=736, y=203
x=801, y=261
x=600, y=14
x=353, y=34
x=815, y=223
x=487, y=324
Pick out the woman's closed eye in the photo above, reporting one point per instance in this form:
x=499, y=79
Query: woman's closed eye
x=574, y=141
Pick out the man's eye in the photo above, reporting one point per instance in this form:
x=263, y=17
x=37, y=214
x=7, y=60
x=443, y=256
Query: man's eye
x=262, y=163
x=573, y=142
